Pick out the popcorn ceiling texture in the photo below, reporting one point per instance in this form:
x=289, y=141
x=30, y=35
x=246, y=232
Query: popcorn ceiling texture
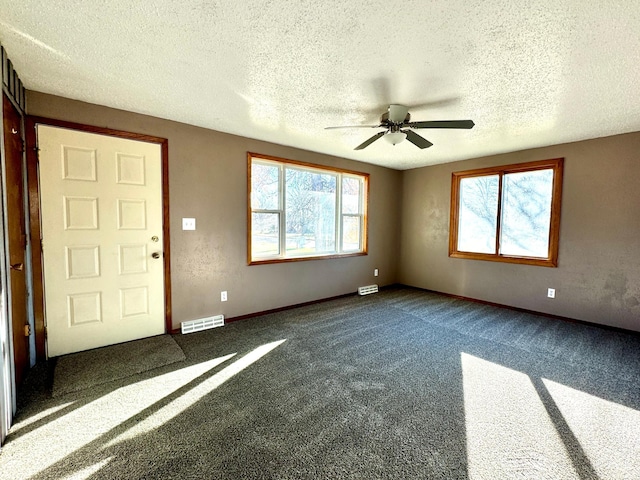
x=528, y=73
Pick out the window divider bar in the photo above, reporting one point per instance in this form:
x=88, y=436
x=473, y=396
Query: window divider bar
x=499, y=214
x=339, y=217
x=282, y=217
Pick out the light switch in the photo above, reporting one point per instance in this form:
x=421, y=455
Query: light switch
x=188, y=224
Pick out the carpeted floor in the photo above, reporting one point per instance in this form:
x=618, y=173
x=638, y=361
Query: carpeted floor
x=85, y=370
x=403, y=384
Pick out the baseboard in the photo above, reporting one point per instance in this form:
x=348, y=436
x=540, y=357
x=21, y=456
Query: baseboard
x=176, y=331
x=289, y=307
x=526, y=310
x=304, y=304
x=450, y=295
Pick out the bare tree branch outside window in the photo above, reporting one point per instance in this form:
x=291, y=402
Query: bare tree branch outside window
x=299, y=210
x=507, y=213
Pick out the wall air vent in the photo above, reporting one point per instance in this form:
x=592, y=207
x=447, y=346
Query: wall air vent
x=367, y=289
x=202, y=324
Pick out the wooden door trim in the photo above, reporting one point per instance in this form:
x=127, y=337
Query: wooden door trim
x=31, y=122
x=17, y=283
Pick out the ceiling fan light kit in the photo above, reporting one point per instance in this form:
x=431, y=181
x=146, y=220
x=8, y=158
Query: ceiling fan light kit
x=395, y=137
x=398, y=126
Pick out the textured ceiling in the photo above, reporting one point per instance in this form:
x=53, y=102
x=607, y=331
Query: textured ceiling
x=529, y=73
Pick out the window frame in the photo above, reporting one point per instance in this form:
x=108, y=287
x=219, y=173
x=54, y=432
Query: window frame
x=557, y=165
x=340, y=173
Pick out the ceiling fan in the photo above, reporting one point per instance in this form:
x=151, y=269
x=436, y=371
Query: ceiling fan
x=398, y=125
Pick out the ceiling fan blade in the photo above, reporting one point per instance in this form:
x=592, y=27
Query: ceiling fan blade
x=442, y=124
x=397, y=113
x=417, y=140
x=353, y=126
x=443, y=102
x=370, y=141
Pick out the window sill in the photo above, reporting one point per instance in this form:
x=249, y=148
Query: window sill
x=303, y=259
x=540, y=262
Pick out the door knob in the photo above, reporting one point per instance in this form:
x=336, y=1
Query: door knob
x=17, y=266
x=155, y=254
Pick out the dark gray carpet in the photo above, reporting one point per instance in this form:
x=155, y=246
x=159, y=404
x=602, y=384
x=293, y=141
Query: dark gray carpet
x=84, y=370
x=403, y=384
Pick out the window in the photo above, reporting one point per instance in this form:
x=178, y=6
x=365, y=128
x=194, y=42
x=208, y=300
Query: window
x=507, y=214
x=299, y=211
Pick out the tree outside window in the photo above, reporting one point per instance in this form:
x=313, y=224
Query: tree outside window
x=509, y=213
x=301, y=211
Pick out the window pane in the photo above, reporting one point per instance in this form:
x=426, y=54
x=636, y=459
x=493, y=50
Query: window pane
x=265, y=228
x=264, y=187
x=310, y=212
x=350, y=195
x=478, y=214
x=350, y=233
x=526, y=213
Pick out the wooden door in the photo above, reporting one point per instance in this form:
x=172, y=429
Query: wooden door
x=16, y=236
x=102, y=237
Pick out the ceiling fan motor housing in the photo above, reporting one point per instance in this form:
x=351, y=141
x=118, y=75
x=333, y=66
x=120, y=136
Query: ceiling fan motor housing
x=384, y=119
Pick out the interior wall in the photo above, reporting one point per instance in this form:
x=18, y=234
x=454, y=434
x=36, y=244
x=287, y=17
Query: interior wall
x=208, y=181
x=598, y=274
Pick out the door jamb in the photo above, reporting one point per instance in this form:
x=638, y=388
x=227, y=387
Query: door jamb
x=31, y=122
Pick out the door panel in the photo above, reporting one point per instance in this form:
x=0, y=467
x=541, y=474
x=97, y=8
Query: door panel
x=101, y=206
x=16, y=235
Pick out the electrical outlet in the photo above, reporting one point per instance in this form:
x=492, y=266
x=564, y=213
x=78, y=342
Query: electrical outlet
x=223, y=296
x=188, y=224
x=551, y=292
x=375, y=272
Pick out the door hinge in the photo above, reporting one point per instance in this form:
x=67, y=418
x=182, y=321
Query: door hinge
x=27, y=330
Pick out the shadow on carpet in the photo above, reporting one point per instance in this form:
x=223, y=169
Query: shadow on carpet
x=83, y=370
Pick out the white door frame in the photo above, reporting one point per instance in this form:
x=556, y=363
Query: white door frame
x=34, y=202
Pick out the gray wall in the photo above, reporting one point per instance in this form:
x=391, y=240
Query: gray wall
x=597, y=280
x=207, y=180
x=598, y=275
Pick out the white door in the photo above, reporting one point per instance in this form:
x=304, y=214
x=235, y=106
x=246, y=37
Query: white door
x=101, y=208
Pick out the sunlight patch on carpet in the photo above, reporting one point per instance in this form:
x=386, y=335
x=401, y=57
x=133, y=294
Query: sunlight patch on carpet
x=95, y=420
x=49, y=412
x=608, y=432
x=89, y=471
x=83, y=370
x=509, y=432
x=180, y=404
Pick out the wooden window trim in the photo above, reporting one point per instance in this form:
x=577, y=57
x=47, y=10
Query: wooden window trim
x=557, y=165
x=365, y=205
